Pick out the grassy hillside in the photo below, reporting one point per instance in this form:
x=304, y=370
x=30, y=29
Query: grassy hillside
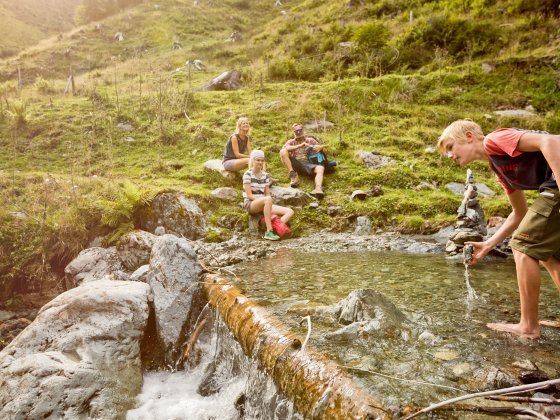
x=25, y=22
x=65, y=162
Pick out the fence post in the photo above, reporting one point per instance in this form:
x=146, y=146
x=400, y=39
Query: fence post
x=20, y=80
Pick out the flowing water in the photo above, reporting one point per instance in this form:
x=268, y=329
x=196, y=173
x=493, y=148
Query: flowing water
x=443, y=350
x=446, y=341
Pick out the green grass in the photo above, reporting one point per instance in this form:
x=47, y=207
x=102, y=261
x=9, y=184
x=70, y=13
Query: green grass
x=75, y=140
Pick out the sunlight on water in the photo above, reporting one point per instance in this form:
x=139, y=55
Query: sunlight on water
x=445, y=340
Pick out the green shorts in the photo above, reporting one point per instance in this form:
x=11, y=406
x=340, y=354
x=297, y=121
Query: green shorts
x=538, y=234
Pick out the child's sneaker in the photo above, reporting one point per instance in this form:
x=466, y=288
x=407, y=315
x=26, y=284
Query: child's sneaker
x=271, y=236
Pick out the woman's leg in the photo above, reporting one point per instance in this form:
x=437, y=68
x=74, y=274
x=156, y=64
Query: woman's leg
x=236, y=164
x=264, y=205
x=285, y=213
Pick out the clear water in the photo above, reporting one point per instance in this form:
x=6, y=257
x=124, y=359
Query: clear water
x=434, y=294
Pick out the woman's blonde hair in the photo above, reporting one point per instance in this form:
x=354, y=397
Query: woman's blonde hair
x=455, y=132
x=240, y=121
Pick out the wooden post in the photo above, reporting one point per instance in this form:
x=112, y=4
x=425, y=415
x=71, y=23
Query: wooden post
x=189, y=63
x=72, y=80
x=261, y=77
x=20, y=80
x=411, y=16
x=267, y=68
x=324, y=121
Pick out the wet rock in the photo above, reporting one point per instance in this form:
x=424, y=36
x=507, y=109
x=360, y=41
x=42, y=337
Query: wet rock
x=173, y=277
x=462, y=369
x=525, y=364
x=446, y=355
x=225, y=194
x=494, y=378
x=427, y=337
x=134, y=248
x=6, y=315
x=94, y=264
x=80, y=358
x=533, y=376
x=178, y=214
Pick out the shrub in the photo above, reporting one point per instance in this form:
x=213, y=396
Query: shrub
x=450, y=33
x=44, y=86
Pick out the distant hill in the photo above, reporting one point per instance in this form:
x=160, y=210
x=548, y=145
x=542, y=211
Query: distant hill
x=25, y=22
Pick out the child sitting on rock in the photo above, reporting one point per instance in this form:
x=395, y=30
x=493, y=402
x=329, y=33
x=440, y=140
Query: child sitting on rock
x=256, y=195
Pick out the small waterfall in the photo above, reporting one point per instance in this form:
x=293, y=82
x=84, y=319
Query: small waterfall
x=225, y=385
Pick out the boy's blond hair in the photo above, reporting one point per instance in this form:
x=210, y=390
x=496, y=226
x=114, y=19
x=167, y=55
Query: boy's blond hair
x=456, y=132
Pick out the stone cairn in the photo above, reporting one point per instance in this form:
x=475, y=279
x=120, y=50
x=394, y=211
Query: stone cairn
x=471, y=225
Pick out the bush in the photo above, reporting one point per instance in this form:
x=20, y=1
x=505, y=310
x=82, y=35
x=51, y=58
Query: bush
x=44, y=86
x=455, y=35
x=371, y=36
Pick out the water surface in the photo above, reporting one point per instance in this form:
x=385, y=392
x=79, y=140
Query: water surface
x=432, y=292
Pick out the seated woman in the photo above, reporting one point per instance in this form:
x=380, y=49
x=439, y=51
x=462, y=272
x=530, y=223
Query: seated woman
x=256, y=194
x=238, y=147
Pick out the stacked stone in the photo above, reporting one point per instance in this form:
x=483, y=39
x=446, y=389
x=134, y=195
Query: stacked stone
x=471, y=225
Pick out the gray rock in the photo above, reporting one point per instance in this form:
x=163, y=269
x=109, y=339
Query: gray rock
x=318, y=125
x=459, y=189
x=363, y=226
x=374, y=161
x=178, y=214
x=159, y=231
x=173, y=277
x=487, y=68
x=270, y=105
x=5, y=315
x=521, y=113
x=215, y=165
x=94, y=264
x=225, y=194
x=141, y=274
x=80, y=358
x=291, y=197
x=18, y=215
x=125, y=127
x=134, y=248
x=228, y=80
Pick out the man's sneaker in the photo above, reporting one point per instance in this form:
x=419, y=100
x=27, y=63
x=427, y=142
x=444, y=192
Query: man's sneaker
x=271, y=236
x=294, y=179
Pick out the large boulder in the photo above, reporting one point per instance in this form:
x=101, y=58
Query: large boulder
x=216, y=165
x=134, y=248
x=93, y=264
x=228, y=80
x=291, y=197
x=173, y=277
x=178, y=214
x=80, y=358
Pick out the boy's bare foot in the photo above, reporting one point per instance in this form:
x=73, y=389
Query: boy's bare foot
x=515, y=329
x=554, y=324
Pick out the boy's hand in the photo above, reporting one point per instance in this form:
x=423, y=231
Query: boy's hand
x=479, y=251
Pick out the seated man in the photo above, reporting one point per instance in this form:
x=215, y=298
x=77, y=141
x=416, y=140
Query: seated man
x=295, y=158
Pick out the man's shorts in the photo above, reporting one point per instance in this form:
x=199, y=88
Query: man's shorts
x=538, y=234
x=303, y=167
